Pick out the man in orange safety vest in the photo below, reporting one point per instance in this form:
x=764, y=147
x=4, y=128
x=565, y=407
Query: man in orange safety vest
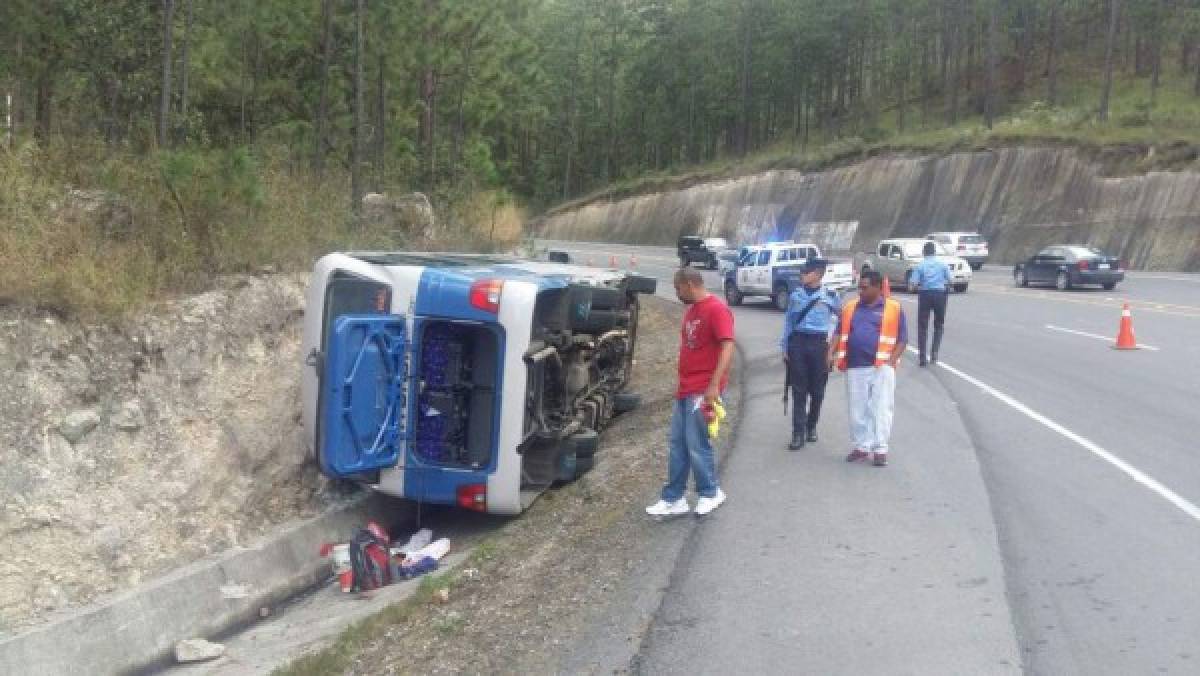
x=872, y=336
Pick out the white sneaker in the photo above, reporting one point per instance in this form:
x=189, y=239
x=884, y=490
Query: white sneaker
x=706, y=505
x=664, y=508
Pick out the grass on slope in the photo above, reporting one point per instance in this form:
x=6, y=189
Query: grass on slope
x=94, y=231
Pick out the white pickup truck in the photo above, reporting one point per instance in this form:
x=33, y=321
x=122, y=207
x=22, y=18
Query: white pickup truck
x=897, y=259
x=775, y=270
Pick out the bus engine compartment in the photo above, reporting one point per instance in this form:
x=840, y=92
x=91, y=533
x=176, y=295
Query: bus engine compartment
x=579, y=362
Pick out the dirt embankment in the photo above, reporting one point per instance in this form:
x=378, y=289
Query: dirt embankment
x=1021, y=198
x=544, y=580
x=128, y=450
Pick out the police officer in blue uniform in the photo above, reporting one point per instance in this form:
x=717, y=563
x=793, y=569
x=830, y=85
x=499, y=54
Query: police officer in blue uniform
x=933, y=290
x=810, y=319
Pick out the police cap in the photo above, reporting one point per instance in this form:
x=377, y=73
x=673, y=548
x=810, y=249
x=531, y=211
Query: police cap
x=813, y=264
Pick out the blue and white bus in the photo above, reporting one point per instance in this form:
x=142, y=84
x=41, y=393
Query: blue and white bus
x=468, y=380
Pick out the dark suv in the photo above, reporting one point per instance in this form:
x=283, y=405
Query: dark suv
x=696, y=249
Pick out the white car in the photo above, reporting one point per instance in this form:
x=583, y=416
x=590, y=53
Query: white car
x=970, y=246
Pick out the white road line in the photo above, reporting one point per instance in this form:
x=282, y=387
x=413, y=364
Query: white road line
x=1091, y=446
x=1085, y=334
x=1193, y=280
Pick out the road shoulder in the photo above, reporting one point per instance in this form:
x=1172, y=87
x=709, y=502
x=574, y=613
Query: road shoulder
x=839, y=568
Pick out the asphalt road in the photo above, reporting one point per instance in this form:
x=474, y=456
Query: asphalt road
x=1040, y=512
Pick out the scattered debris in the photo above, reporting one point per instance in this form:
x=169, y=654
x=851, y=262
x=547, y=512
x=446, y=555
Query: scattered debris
x=418, y=540
x=442, y=595
x=235, y=591
x=369, y=560
x=197, y=650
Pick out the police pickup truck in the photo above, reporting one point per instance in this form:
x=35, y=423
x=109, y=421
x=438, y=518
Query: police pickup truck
x=776, y=269
x=897, y=259
x=476, y=381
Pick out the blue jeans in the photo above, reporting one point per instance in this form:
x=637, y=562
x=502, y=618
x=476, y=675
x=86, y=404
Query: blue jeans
x=689, y=448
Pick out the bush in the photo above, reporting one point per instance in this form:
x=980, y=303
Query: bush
x=90, y=230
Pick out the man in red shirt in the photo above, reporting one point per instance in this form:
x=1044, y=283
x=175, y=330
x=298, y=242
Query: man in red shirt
x=705, y=352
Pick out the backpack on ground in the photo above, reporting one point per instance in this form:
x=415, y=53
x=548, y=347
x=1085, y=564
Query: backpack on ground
x=369, y=561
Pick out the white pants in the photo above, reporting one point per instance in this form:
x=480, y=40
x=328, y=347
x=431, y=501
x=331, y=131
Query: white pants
x=871, y=394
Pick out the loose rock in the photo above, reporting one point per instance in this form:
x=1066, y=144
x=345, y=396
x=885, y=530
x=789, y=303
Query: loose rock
x=129, y=417
x=77, y=425
x=197, y=650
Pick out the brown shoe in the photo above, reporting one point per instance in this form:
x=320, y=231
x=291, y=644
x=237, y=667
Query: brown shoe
x=856, y=455
x=880, y=460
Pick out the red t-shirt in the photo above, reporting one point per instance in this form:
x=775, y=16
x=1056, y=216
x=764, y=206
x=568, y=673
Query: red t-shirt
x=706, y=325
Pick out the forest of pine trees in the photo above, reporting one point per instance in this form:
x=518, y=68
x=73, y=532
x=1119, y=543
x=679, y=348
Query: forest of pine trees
x=553, y=98
x=232, y=134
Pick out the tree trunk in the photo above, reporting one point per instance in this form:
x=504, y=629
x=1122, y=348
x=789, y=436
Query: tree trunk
x=1125, y=31
x=989, y=92
x=164, y=103
x=1161, y=11
x=321, y=143
x=45, y=100
x=572, y=114
x=904, y=59
x=950, y=68
x=429, y=86
x=184, y=70
x=256, y=77
x=1196, y=82
x=972, y=42
x=926, y=88
x=1155, y=71
x=381, y=121
x=610, y=142
x=356, y=153
x=8, y=120
x=1052, y=64
x=460, y=126
x=13, y=98
x=1109, y=48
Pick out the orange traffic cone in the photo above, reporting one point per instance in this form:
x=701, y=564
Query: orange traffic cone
x=1125, y=339
x=887, y=287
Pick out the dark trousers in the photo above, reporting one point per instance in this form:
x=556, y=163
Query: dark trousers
x=935, y=302
x=808, y=368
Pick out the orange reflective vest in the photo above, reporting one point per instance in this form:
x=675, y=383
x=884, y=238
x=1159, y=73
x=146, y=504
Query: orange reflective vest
x=888, y=332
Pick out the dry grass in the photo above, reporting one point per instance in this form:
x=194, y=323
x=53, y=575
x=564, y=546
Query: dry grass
x=170, y=223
